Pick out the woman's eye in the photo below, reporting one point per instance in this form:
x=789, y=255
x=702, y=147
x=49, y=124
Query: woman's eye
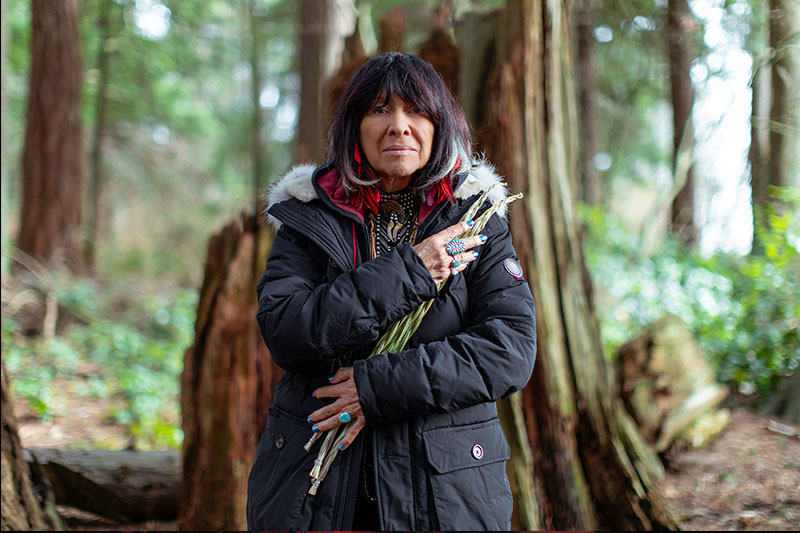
x=379, y=110
x=416, y=110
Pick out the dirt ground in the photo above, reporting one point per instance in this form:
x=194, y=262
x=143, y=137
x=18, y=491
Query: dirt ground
x=747, y=478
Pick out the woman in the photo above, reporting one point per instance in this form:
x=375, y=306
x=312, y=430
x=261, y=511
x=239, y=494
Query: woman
x=362, y=242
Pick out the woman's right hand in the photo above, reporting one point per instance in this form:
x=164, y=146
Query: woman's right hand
x=433, y=253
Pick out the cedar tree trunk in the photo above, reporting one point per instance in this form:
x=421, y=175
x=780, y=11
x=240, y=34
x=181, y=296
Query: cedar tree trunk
x=578, y=461
x=51, y=163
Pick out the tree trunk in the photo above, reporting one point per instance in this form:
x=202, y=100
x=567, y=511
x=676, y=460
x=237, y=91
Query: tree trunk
x=123, y=485
x=441, y=52
x=758, y=155
x=103, y=62
x=51, y=163
x=578, y=461
x=3, y=139
x=323, y=27
x=25, y=505
x=227, y=383
x=784, y=136
x=392, y=36
x=591, y=191
x=257, y=120
x=680, y=33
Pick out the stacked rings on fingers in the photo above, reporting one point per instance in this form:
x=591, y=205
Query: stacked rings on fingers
x=455, y=246
x=345, y=417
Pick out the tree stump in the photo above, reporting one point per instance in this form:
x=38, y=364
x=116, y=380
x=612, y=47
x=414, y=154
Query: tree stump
x=25, y=505
x=227, y=383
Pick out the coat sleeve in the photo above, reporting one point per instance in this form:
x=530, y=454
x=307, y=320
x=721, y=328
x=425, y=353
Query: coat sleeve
x=489, y=360
x=305, y=321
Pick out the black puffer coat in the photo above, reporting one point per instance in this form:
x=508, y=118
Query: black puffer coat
x=438, y=448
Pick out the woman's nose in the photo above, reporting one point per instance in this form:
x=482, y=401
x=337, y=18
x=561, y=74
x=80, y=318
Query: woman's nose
x=399, y=124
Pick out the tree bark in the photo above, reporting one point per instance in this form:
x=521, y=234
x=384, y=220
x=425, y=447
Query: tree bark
x=784, y=136
x=52, y=155
x=323, y=27
x=758, y=155
x=227, y=383
x=257, y=120
x=25, y=505
x=585, y=466
x=680, y=29
x=591, y=183
x=3, y=137
x=123, y=485
x=103, y=63
x=392, y=36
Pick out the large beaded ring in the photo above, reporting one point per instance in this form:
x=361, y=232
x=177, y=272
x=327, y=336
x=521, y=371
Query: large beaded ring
x=455, y=247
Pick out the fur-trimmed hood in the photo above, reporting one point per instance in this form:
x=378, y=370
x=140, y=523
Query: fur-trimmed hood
x=298, y=184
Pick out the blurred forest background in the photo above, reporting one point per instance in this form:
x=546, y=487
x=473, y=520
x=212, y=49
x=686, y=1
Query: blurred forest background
x=137, y=134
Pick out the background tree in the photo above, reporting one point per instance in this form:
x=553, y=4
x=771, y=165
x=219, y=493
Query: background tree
x=324, y=24
x=578, y=461
x=681, y=30
x=52, y=160
x=591, y=190
x=784, y=137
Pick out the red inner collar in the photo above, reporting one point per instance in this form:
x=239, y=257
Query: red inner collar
x=331, y=184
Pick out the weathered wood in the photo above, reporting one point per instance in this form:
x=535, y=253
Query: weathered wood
x=25, y=505
x=665, y=382
x=591, y=468
x=227, y=383
x=124, y=485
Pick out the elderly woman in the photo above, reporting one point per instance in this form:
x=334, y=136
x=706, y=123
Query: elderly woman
x=362, y=242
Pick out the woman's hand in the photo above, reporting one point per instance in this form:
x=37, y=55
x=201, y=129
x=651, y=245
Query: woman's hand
x=343, y=388
x=441, y=264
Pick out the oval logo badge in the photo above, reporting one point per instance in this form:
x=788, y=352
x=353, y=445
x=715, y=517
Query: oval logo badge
x=513, y=268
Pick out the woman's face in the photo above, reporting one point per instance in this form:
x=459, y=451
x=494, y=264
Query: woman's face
x=396, y=139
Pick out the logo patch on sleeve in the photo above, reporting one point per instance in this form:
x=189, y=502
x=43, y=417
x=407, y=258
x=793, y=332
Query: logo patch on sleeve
x=513, y=268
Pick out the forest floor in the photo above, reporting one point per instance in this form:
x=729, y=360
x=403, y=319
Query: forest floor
x=747, y=478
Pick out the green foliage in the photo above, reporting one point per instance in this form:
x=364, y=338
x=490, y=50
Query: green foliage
x=130, y=355
x=745, y=311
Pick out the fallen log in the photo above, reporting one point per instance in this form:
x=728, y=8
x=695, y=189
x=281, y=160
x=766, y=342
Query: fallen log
x=123, y=485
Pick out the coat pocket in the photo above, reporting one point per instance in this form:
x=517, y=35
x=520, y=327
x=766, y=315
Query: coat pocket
x=279, y=480
x=467, y=470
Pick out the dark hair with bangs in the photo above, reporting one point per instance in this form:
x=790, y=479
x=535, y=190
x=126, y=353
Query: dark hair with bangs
x=415, y=81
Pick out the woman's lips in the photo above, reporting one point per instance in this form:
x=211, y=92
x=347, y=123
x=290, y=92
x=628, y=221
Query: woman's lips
x=399, y=149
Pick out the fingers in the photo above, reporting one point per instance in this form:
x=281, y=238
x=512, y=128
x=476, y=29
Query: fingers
x=328, y=417
x=455, y=230
x=352, y=432
x=343, y=374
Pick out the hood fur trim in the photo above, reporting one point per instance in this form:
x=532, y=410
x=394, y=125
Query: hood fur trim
x=297, y=184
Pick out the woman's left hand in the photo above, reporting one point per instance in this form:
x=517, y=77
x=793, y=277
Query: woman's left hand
x=343, y=388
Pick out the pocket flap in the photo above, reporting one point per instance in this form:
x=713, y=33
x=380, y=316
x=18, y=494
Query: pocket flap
x=460, y=447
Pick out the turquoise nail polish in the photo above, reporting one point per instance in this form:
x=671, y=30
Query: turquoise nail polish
x=314, y=395
x=470, y=223
x=330, y=378
x=309, y=420
x=483, y=238
x=474, y=254
x=341, y=447
x=315, y=428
